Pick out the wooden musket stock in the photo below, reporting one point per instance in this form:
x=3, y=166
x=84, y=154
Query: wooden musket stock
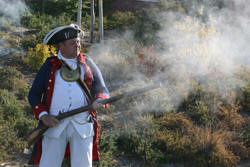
x=36, y=133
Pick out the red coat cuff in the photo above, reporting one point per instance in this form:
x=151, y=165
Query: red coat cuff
x=102, y=96
x=38, y=109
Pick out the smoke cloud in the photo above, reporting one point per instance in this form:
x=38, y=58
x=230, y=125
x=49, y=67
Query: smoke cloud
x=10, y=14
x=11, y=11
x=209, y=44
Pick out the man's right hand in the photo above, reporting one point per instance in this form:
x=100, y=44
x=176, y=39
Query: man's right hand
x=49, y=121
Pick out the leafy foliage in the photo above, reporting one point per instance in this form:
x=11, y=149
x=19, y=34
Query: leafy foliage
x=108, y=148
x=38, y=55
x=173, y=138
x=206, y=129
x=117, y=20
x=14, y=124
x=41, y=24
x=245, y=98
x=11, y=79
x=57, y=7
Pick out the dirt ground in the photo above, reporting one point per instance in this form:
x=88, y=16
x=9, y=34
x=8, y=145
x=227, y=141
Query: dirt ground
x=22, y=162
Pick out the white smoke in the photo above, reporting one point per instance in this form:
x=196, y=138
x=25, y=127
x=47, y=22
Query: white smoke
x=116, y=59
x=10, y=15
x=11, y=11
x=208, y=45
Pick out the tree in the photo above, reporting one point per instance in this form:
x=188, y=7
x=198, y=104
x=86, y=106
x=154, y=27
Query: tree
x=79, y=13
x=101, y=20
x=43, y=6
x=92, y=22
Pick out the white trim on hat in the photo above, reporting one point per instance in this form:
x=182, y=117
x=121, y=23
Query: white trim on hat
x=55, y=30
x=52, y=33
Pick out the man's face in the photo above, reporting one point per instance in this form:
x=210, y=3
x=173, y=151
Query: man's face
x=70, y=48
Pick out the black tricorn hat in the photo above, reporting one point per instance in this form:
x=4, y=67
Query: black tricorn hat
x=62, y=33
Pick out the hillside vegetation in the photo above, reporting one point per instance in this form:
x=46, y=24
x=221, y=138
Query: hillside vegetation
x=199, y=116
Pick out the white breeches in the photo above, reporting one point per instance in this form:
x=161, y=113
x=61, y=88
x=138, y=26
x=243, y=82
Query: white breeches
x=53, y=149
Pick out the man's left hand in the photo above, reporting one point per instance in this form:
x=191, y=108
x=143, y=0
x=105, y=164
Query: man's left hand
x=97, y=105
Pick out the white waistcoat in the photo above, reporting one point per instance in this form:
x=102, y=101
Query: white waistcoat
x=68, y=96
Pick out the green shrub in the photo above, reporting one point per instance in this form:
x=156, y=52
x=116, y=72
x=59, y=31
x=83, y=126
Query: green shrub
x=56, y=8
x=246, y=134
x=199, y=113
x=172, y=5
x=107, y=148
x=42, y=24
x=24, y=125
x=11, y=41
x=16, y=61
x=147, y=27
x=14, y=124
x=11, y=79
x=29, y=41
x=202, y=104
x=194, y=145
x=107, y=7
x=244, y=98
x=139, y=146
x=12, y=112
x=8, y=98
x=120, y=20
x=10, y=144
x=7, y=23
x=38, y=55
x=173, y=138
x=22, y=93
x=11, y=107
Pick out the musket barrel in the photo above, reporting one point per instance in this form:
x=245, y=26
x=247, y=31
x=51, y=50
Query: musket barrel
x=36, y=133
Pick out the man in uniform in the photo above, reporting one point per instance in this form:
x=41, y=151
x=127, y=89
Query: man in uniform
x=65, y=82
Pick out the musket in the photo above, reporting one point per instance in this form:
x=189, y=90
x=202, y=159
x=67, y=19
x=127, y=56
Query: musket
x=36, y=133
